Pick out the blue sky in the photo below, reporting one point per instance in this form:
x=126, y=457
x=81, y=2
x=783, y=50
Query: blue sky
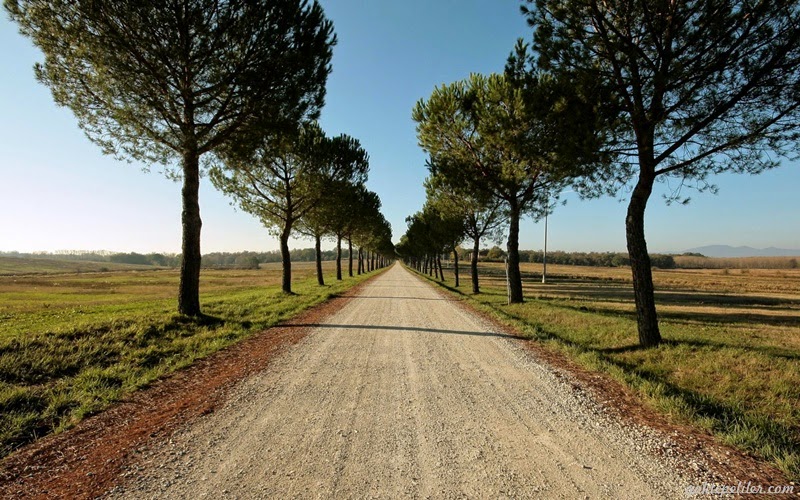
x=59, y=192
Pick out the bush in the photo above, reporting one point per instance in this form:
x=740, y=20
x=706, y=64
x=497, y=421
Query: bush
x=620, y=260
x=130, y=258
x=246, y=262
x=495, y=254
x=662, y=261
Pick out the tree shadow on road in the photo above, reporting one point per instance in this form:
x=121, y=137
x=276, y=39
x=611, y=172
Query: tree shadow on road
x=404, y=328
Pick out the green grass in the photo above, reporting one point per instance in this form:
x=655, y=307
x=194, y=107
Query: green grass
x=730, y=362
x=70, y=345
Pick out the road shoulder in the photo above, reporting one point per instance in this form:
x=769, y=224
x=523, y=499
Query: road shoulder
x=694, y=452
x=95, y=455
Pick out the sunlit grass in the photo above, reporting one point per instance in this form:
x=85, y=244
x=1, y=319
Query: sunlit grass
x=70, y=345
x=730, y=361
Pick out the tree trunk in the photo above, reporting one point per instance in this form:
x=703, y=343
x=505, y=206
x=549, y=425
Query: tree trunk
x=646, y=317
x=350, y=257
x=435, y=267
x=360, y=261
x=514, y=276
x=473, y=264
x=339, y=257
x=455, y=263
x=318, y=258
x=189, y=287
x=439, y=263
x=286, y=259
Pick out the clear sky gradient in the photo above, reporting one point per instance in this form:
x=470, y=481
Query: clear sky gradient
x=58, y=192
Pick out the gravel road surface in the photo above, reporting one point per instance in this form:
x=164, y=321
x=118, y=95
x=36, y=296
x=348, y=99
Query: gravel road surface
x=404, y=393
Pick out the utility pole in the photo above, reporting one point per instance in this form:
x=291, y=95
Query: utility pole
x=544, y=255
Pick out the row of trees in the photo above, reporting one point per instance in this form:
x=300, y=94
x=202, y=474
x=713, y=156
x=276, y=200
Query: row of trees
x=592, y=259
x=229, y=259
x=236, y=86
x=251, y=260
x=150, y=259
x=500, y=148
x=601, y=259
x=312, y=185
x=450, y=215
x=618, y=94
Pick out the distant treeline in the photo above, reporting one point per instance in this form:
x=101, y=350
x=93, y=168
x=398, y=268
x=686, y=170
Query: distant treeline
x=251, y=260
x=687, y=260
x=662, y=261
x=150, y=259
x=241, y=260
x=699, y=262
x=599, y=259
x=88, y=256
x=594, y=259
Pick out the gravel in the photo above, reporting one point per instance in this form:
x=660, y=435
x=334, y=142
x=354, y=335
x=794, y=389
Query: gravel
x=406, y=393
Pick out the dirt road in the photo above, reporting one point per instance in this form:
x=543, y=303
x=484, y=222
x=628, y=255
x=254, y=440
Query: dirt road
x=404, y=393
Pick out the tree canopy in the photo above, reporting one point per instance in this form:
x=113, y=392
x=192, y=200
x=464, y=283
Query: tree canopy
x=285, y=177
x=502, y=138
x=338, y=198
x=163, y=81
x=696, y=87
x=479, y=217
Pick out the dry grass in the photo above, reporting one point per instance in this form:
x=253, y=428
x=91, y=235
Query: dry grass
x=692, y=262
x=26, y=265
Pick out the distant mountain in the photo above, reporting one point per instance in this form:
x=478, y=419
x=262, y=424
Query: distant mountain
x=729, y=251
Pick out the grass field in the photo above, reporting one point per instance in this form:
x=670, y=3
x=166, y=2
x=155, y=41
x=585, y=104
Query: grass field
x=71, y=344
x=21, y=266
x=694, y=262
x=730, y=362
